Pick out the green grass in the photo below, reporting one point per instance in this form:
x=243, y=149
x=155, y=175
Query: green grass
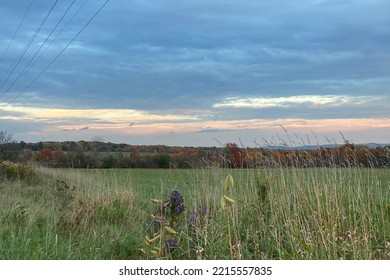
x=280, y=213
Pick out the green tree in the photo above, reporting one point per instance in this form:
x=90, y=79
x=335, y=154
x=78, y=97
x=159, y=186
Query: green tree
x=162, y=160
x=109, y=162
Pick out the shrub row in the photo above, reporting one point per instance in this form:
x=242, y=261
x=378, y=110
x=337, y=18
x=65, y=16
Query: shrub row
x=10, y=171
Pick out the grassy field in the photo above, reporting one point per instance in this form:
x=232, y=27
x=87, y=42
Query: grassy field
x=278, y=213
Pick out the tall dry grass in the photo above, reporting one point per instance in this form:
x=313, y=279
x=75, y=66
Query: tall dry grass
x=279, y=213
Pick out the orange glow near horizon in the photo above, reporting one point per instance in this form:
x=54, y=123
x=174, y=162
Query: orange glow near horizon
x=119, y=122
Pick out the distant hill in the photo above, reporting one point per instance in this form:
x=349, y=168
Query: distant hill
x=374, y=145
x=315, y=147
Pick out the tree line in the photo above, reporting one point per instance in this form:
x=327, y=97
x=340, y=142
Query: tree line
x=97, y=154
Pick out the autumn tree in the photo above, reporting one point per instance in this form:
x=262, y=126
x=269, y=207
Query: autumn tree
x=236, y=155
x=58, y=154
x=135, y=154
x=45, y=154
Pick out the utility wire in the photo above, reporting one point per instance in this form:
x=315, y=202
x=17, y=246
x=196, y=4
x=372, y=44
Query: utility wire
x=28, y=45
x=16, y=32
x=57, y=56
x=32, y=58
x=59, y=33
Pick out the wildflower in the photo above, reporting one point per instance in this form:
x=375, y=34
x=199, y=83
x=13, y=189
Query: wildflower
x=198, y=213
x=170, y=244
x=176, y=202
x=163, y=224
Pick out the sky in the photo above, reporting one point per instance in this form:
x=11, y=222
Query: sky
x=196, y=73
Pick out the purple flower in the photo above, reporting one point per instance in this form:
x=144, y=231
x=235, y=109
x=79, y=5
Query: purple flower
x=170, y=244
x=198, y=214
x=176, y=202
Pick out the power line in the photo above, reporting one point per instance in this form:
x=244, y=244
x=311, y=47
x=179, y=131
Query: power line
x=59, y=33
x=32, y=58
x=57, y=56
x=28, y=45
x=16, y=32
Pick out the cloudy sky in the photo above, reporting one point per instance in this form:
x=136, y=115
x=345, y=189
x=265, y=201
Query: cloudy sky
x=195, y=72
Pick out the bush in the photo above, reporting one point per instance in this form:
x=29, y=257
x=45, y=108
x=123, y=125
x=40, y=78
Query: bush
x=10, y=171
